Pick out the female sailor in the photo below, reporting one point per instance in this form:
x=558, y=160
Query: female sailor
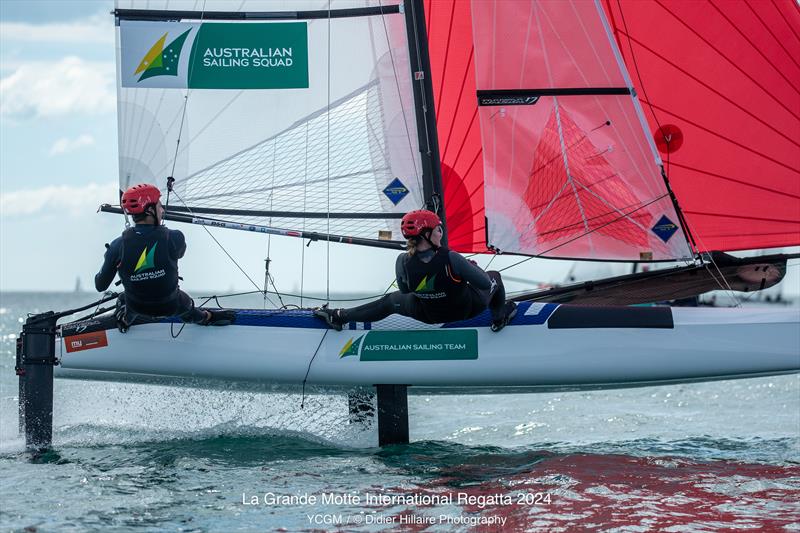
x=436, y=285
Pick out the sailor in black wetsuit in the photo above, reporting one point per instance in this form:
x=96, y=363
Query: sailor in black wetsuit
x=436, y=285
x=146, y=259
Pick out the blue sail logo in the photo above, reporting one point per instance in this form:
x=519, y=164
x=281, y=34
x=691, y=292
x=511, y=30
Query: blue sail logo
x=664, y=228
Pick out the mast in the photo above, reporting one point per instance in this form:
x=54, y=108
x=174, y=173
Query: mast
x=433, y=190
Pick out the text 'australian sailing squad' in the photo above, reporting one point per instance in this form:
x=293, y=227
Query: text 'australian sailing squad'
x=245, y=57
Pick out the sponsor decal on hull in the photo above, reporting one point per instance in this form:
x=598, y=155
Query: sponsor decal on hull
x=86, y=341
x=420, y=345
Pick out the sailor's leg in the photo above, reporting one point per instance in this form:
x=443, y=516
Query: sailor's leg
x=186, y=310
x=502, y=311
x=374, y=311
x=124, y=314
x=394, y=302
x=407, y=304
x=497, y=294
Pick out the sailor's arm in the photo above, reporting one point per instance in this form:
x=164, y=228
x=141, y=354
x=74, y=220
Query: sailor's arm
x=469, y=272
x=111, y=261
x=400, y=273
x=178, y=243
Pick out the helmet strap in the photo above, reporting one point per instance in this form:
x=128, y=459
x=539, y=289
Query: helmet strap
x=152, y=210
x=427, y=236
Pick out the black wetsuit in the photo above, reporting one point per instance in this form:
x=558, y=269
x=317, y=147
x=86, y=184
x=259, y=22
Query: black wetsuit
x=435, y=287
x=146, y=258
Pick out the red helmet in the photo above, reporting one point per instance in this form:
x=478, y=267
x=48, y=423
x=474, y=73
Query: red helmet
x=137, y=198
x=415, y=222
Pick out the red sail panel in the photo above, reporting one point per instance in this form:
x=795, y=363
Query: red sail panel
x=449, y=25
x=559, y=209
x=724, y=79
x=568, y=167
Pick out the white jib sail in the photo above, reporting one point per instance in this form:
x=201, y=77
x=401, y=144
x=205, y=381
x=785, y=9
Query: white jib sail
x=300, y=115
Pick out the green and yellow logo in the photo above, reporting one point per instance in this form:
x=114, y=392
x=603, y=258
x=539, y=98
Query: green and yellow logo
x=351, y=347
x=413, y=345
x=160, y=61
x=426, y=285
x=147, y=259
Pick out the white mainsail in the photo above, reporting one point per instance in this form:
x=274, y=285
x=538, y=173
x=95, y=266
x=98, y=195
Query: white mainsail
x=345, y=142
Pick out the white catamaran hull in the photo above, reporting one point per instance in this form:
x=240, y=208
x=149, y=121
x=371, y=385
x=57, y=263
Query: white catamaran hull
x=546, y=347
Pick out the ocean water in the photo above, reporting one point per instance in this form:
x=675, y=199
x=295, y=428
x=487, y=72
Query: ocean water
x=702, y=457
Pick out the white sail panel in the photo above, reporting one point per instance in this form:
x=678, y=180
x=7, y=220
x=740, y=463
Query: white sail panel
x=341, y=144
x=569, y=170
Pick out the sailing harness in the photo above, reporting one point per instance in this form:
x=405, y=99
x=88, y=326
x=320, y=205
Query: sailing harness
x=436, y=286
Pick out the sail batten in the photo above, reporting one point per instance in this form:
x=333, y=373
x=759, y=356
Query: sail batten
x=170, y=15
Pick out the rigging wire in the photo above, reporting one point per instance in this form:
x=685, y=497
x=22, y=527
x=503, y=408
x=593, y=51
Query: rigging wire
x=624, y=215
x=490, y=262
x=369, y=297
x=302, y=245
x=277, y=293
x=267, y=274
x=172, y=330
x=393, y=283
x=328, y=170
x=186, y=98
x=687, y=233
x=400, y=98
x=292, y=295
x=189, y=209
x=172, y=324
x=308, y=370
x=107, y=294
x=727, y=285
x=729, y=289
x=171, y=177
